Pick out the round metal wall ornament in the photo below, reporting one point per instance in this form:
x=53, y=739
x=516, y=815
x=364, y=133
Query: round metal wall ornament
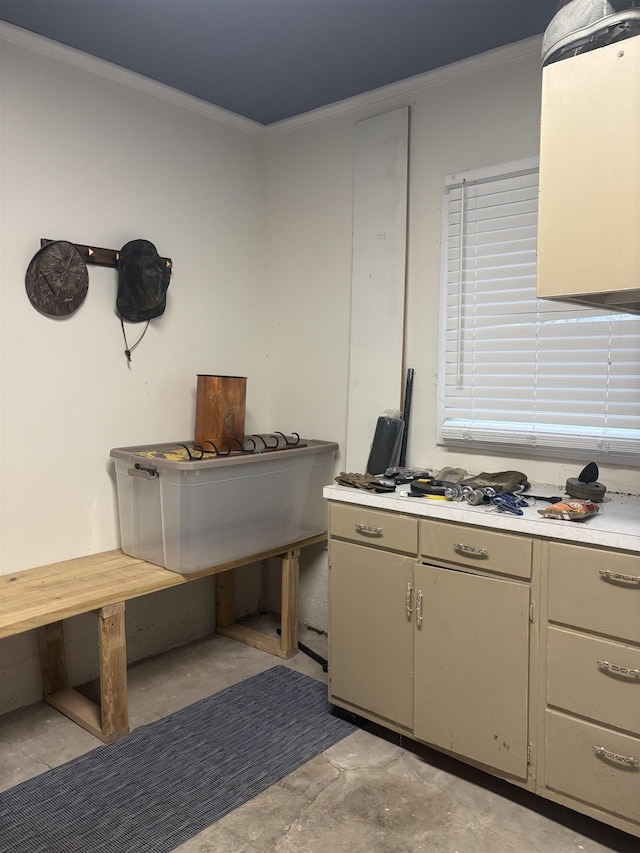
x=57, y=279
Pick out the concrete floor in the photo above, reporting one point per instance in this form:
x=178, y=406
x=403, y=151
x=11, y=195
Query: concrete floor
x=370, y=793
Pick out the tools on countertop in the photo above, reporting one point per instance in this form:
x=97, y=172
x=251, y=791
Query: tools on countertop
x=407, y=475
x=585, y=485
x=495, y=488
x=365, y=482
x=503, y=501
x=504, y=491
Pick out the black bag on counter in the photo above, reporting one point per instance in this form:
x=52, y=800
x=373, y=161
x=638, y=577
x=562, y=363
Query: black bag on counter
x=386, y=446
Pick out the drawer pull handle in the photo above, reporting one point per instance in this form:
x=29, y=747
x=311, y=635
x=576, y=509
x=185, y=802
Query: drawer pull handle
x=419, y=608
x=408, y=601
x=618, y=670
x=629, y=760
x=605, y=574
x=469, y=549
x=372, y=531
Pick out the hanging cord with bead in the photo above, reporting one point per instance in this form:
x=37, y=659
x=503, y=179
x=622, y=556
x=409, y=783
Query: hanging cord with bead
x=130, y=349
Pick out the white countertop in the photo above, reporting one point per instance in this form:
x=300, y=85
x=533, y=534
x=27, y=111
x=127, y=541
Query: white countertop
x=617, y=524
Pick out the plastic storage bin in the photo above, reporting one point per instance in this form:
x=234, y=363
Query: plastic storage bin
x=188, y=516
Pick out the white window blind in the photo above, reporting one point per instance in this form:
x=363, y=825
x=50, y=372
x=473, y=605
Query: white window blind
x=518, y=371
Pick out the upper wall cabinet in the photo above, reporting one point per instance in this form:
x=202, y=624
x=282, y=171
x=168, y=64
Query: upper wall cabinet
x=589, y=210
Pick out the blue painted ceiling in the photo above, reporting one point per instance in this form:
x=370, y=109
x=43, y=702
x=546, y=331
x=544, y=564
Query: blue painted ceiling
x=269, y=60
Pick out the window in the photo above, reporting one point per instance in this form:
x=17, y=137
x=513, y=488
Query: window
x=515, y=371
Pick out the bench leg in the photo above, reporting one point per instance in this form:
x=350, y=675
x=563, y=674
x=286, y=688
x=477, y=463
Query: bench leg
x=53, y=662
x=109, y=720
x=286, y=646
x=112, y=643
x=289, y=603
x=224, y=599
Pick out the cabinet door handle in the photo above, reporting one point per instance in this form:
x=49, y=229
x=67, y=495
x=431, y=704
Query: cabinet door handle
x=419, y=608
x=408, y=601
x=618, y=670
x=372, y=531
x=607, y=575
x=629, y=760
x=470, y=549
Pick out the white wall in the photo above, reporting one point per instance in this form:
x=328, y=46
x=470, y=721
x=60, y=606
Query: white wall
x=462, y=119
x=259, y=227
x=309, y=179
x=89, y=159
x=480, y=113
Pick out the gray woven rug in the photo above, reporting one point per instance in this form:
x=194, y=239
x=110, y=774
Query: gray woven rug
x=167, y=781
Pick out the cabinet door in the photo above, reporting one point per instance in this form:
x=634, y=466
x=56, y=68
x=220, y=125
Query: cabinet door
x=590, y=174
x=371, y=631
x=472, y=666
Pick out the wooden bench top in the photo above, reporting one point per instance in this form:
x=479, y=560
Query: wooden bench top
x=40, y=596
x=47, y=594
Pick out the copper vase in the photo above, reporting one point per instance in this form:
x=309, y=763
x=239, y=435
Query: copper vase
x=220, y=411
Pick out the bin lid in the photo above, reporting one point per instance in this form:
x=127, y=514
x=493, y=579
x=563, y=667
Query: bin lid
x=183, y=455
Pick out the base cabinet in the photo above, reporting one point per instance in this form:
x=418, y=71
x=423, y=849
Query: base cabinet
x=472, y=667
x=440, y=653
x=591, y=699
x=513, y=653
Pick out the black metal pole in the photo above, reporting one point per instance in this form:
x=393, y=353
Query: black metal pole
x=313, y=655
x=408, y=391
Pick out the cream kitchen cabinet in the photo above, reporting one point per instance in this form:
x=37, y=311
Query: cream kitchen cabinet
x=591, y=702
x=372, y=556
x=589, y=203
x=500, y=641
x=437, y=651
x=472, y=644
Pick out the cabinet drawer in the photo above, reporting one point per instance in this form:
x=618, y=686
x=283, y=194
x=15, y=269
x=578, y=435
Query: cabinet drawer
x=593, y=764
x=594, y=678
x=373, y=527
x=475, y=547
x=595, y=589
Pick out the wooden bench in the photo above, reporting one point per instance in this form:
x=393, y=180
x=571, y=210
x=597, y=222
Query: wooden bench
x=43, y=597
